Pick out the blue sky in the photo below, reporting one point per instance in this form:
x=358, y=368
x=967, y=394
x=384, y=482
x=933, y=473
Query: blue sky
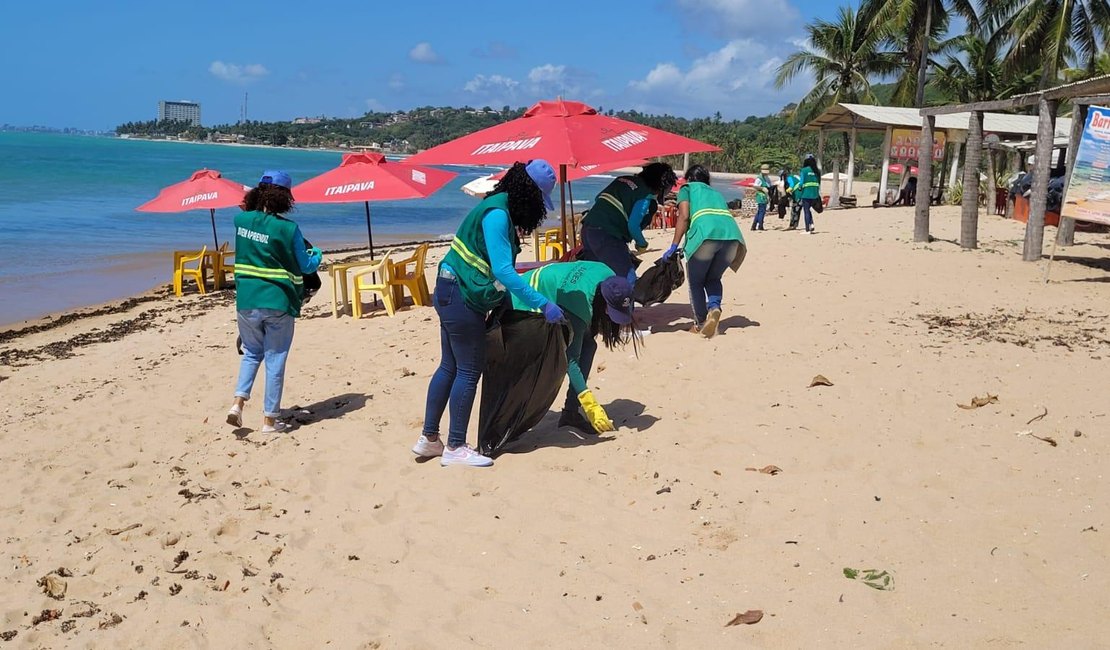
x=95, y=65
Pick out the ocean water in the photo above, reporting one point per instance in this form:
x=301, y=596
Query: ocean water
x=72, y=236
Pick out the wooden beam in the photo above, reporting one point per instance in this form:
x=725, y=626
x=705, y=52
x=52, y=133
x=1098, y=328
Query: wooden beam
x=1065, y=234
x=996, y=105
x=924, y=179
x=1093, y=99
x=1034, y=228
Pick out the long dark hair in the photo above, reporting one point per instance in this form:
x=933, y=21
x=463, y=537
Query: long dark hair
x=659, y=177
x=612, y=334
x=811, y=162
x=526, y=207
x=269, y=198
x=697, y=174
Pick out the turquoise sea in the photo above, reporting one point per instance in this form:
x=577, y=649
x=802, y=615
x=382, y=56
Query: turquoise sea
x=72, y=236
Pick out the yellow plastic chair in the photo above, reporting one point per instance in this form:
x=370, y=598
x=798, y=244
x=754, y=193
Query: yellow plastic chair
x=197, y=274
x=363, y=282
x=551, y=244
x=413, y=280
x=222, y=267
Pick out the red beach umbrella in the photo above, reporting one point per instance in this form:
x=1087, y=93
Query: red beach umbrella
x=206, y=188
x=745, y=182
x=564, y=133
x=370, y=177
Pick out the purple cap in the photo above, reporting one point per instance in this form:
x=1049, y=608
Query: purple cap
x=276, y=178
x=543, y=175
x=617, y=293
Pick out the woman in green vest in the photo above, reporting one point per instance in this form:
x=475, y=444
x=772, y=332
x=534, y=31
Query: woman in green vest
x=619, y=215
x=475, y=276
x=596, y=302
x=270, y=258
x=713, y=243
x=810, y=193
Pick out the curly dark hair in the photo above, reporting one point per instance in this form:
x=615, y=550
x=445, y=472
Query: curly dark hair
x=269, y=198
x=697, y=174
x=526, y=207
x=659, y=177
x=612, y=334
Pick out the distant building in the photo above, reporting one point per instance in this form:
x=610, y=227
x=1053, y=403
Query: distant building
x=181, y=111
x=308, y=120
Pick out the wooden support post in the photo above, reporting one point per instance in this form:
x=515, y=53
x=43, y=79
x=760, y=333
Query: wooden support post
x=1034, y=228
x=924, y=180
x=821, y=148
x=885, y=176
x=851, y=173
x=1065, y=234
x=969, y=214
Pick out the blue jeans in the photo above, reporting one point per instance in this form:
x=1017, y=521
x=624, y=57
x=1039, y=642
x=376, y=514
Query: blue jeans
x=462, y=337
x=760, y=212
x=807, y=206
x=704, y=271
x=600, y=246
x=267, y=336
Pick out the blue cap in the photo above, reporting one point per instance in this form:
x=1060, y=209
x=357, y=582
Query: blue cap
x=543, y=175
x=276, y=178
x=617, y=292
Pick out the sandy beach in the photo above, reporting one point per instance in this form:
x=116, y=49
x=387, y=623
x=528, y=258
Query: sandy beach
x=154, y=525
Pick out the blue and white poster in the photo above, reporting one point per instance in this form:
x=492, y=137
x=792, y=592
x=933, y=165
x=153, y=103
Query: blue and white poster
x=1088, y=197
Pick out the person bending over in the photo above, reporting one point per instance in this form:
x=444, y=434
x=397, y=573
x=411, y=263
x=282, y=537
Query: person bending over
x=619, y=215
x=713, y=243
x=596, y=302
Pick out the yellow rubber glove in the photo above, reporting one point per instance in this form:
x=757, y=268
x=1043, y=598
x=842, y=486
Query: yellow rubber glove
x=641, y=251
x=599, y=420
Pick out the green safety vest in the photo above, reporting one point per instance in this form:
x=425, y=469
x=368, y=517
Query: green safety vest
x=612, y=207
x=571, y=285
x=468, y=257
x=811, y=185
x=267, y=275
x=710, y=217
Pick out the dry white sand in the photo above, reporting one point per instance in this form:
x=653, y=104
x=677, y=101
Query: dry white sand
x=333, y=534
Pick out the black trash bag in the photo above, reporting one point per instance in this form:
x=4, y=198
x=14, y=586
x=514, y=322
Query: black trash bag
x=526, y=362
x=657, y=283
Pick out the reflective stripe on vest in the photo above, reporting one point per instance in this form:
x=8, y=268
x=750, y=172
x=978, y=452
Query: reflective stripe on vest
x=472, y=260
x=534, y=282
x=249, y=271
x=705, y=211
x=614, y=201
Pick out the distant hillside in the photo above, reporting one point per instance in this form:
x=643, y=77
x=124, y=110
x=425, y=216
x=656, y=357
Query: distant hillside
x=774, y=139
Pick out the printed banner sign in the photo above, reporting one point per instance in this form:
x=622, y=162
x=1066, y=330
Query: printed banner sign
x=904, y=144
x=1088, y=197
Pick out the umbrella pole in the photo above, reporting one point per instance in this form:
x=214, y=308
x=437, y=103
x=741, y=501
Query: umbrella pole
x=370, y=239
x=563, y=200
x=215, y=239
x=573, y=231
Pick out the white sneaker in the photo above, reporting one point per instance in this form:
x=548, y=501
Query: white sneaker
x=464, y=455
x=235, y=416
x=428, y=448
x=812, y=230
x=277, y=427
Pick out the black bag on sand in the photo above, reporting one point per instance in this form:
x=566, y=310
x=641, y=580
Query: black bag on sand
x=526, y=362
x=657, y=283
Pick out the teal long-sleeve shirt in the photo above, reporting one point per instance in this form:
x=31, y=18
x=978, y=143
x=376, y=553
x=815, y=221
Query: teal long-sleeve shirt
x=496, y=228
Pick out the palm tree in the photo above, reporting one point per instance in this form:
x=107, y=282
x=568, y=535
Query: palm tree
x=844, y=56
x=914, y=28
x=1046, y=33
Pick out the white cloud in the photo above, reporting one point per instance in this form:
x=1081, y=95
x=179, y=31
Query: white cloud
x=239, y=74
x=737, y=80
x=423, y=53
x=494, y=82
x=542, y=82
x=735, y=18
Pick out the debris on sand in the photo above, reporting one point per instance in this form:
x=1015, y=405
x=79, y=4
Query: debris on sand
x=53, y=586
x=111, y=621
x=1038, y=417
x=750, y=617
x=977, y=402
x=766, y=469
x=46, y=615
x=820, y=380
x=1080, y=328
x=874, y=578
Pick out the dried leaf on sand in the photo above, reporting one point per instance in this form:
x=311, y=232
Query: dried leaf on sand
x=977, y=402
x=750, y=617
x=820, y=380
x=53, y=586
